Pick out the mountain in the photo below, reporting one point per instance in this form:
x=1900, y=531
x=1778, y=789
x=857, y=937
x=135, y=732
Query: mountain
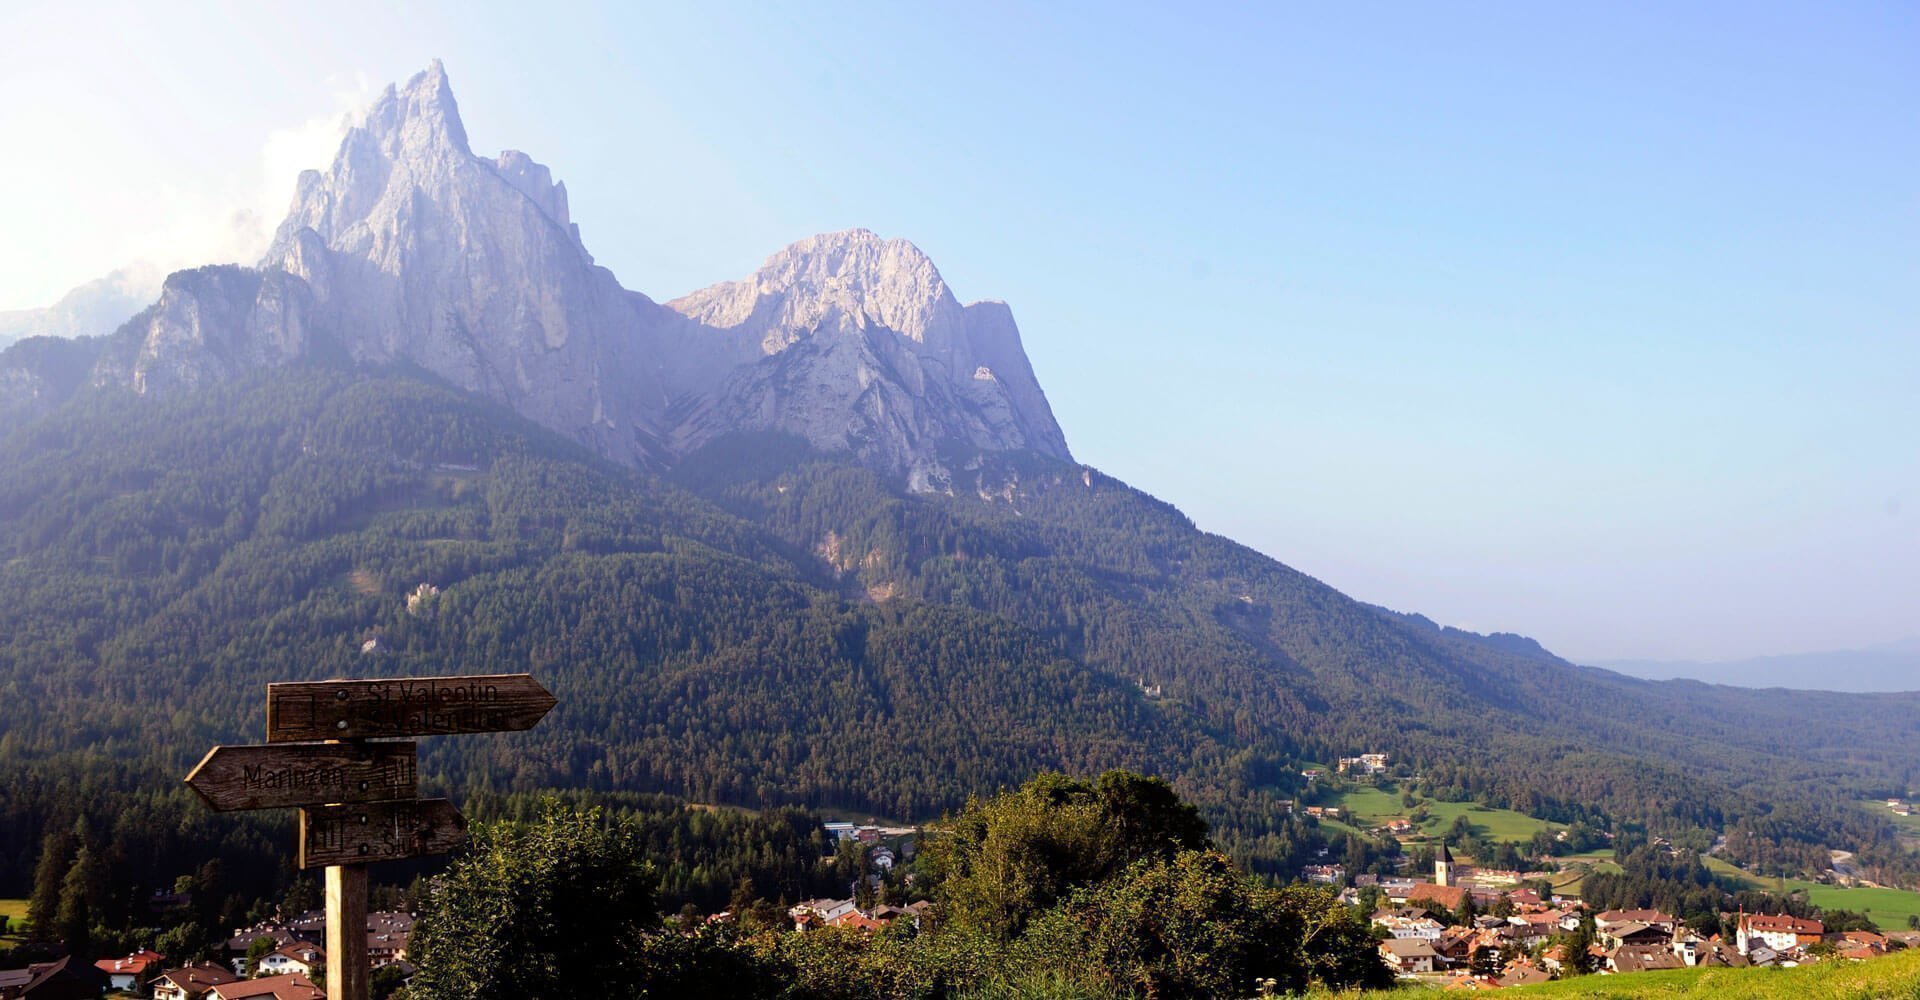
x=97, y=307
x=1891, y=667
x=813, y=537
x=412, y=250
x=851, y=309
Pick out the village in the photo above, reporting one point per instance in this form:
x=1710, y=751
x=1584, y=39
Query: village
x=1465, y=927
x=282, y=959
x=1519, y=938
x=1474, y=928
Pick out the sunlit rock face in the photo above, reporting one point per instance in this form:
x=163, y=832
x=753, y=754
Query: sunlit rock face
x=856, y=343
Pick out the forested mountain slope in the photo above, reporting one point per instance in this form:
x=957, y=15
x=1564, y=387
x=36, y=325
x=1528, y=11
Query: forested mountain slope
x=1272, y=659
x=773, y=625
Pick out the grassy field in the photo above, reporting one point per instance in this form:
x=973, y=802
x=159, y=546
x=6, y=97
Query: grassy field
x=15, y=910
x=1371, y=807
x=1896, y=977
x=1574, y=871
x=1909, y=826
x=1889, y=908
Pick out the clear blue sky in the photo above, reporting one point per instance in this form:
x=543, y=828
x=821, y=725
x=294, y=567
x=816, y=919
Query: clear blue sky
x=1596, y=323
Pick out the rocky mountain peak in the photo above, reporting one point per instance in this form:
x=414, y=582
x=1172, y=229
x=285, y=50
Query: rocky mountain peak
x=848, y=281
x=409, y=248
x=420, y=118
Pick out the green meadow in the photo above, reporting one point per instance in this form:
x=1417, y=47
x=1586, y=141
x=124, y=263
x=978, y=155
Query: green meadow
x=1370, y=807
x=15, y=910
x=1889, y=908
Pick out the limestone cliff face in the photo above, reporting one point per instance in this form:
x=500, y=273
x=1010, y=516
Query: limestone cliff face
x=411, y=249
x=856, y=343
x=417, y=250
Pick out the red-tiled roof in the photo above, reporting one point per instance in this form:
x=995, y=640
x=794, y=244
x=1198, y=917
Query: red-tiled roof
x=136, y=964
x=1764, y=923
x=1449, y=896
x=197, y=979
x=278, y=987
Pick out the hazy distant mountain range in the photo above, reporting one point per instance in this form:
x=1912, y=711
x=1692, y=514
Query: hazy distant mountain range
x=811, y=536
x=1891, y=667
x=93, y=309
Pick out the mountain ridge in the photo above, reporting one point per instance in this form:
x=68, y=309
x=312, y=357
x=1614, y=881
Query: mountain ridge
x=411, y=249
x=1889, y=668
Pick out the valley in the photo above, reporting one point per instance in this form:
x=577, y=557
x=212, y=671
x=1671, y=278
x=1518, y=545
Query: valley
x=810, y=567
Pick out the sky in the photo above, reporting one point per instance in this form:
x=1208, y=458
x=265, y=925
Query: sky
x=1587, y=321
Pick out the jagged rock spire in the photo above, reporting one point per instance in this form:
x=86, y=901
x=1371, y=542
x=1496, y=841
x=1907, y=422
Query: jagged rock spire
x=409, y=248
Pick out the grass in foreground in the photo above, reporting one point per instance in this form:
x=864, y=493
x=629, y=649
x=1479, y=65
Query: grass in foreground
x=1895, y=977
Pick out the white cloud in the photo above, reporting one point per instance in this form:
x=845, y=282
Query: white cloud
x=151, y=223
x=235, y=224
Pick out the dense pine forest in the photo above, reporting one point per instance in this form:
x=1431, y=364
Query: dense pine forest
x=764, y=626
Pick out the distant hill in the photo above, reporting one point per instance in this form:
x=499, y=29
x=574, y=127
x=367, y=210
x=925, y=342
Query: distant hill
x=93, y=309
x=1891, y=667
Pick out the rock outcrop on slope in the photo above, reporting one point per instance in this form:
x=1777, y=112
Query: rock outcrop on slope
x=412, y=250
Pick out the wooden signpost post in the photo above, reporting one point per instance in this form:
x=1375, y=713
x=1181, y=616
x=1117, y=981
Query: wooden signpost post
x=358, y=800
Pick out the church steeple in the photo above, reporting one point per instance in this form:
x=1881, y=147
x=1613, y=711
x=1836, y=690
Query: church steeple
x=1443, y=866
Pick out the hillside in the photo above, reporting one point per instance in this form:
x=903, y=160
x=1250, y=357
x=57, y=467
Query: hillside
x=772, y=625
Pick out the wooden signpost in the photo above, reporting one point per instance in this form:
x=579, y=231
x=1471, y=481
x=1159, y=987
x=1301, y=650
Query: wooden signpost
x=358, y=800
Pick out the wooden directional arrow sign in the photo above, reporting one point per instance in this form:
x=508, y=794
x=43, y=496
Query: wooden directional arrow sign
x=416, y=706
x=274, y=777
x=378, y=831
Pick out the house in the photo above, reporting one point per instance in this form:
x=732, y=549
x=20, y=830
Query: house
x=62, y=979
x=191, y=982
x=1523, y=975
x=1778, y=933
x=1324, y=874
x=1446, y=897
x=388, y=933
x=819, y=912
x=1643, y=958
x=270, y=988
x=1864, y=939
x=858, y=921
x=1531, y=927
x=1422, y=928
x=1454, y=946
x=1606, y=920
x=291, y=960
x=1366, y=763
x=839, y=831
x=1719, y=954
x=1637, y=935
x=1407, y=956
x=132, y=972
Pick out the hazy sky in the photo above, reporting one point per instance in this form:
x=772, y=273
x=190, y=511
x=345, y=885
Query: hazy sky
x=1595, y=323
